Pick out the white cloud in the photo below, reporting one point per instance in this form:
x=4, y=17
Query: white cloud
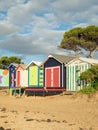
x=7, y=28
x=81, y=25
x=24, y=13
x=33, y=26
x=75, y=10
x=5, y=4
x=20, y=14
x=24, y=44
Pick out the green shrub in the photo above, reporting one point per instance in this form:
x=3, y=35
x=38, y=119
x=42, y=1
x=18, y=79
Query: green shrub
x=87, y=90
x=95, y=85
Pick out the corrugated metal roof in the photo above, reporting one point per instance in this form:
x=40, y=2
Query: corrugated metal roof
x=89, y=60
x=62, y=58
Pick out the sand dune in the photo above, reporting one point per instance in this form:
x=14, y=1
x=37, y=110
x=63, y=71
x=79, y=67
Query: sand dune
x=60, y=112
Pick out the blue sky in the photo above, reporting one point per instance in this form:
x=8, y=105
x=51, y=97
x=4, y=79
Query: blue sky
x=32, y=29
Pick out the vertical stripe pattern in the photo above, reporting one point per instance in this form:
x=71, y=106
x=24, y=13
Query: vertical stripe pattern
x=73, y=73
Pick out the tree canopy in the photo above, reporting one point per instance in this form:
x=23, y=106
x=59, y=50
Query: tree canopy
x=6, y=61
x=91, y=76
x=79, y=38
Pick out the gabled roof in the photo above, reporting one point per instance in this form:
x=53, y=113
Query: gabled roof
x=37, y=63
x=23, y=66
x=14, y=64
x=61, y=58
x=89, y=60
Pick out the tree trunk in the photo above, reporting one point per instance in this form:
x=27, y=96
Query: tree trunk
x=76, y=53
x=92, y=53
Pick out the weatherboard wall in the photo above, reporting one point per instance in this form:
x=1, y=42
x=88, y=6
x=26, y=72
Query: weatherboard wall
x=21, y=77
x=4, y=78
x=73, y=71
x=35, y=76
x=40, y=75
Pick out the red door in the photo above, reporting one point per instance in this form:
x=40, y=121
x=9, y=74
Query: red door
x=52, y=77
x=48, y=77
x=56, y=77
x=18, y=78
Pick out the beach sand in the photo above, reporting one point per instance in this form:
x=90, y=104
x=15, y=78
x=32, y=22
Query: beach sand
x=59, y=112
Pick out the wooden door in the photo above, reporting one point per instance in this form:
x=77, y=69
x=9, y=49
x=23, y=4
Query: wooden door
x=33, y=76
x=52, y=77
x=56, y=77
x=48, y=77
x=18, y=78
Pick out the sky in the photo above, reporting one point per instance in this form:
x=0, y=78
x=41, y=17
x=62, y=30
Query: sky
x=32, y=29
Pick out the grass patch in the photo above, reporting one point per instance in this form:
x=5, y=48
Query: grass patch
x=87, y=90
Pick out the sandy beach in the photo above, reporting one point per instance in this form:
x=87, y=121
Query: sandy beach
x=59, y=112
